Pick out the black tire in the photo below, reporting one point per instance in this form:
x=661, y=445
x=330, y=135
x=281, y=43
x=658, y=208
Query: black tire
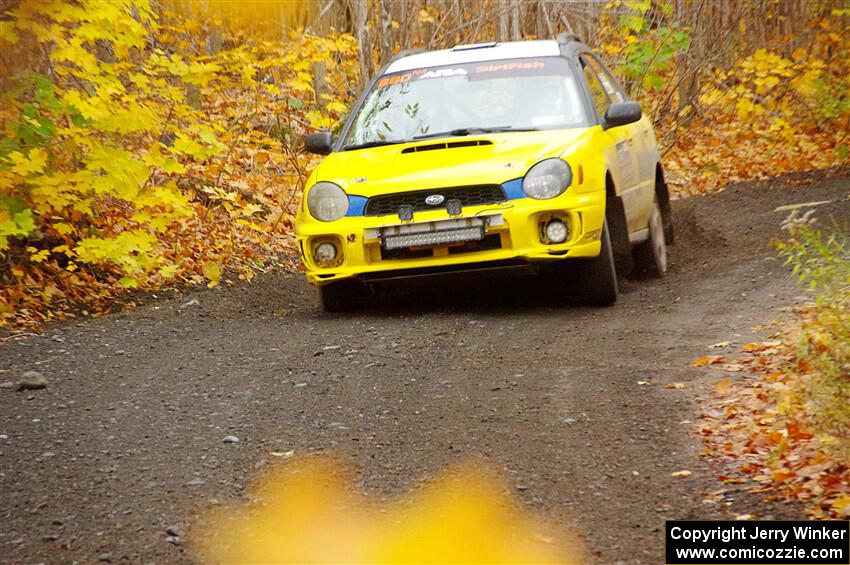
x=598, y=277
x=663, y=195
x=651, y=255
x=342, y=296
x=618, y=232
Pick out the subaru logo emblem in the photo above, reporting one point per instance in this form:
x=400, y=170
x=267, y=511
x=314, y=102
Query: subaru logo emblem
x=434, y=199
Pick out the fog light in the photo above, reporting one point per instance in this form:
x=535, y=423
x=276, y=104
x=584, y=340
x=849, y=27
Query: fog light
x=325, y=253
x=405, y=212
x=454, y=207
x=557, y=231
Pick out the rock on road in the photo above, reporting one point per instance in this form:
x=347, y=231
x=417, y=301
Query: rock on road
x=151, y=414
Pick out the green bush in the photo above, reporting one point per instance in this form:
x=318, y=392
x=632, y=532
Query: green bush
x=821, y=261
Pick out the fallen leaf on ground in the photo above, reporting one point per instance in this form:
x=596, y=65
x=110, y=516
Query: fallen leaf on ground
x=723, y=386
x=708, y=360
x=758, y=346
x=781, y=476
x=684, y=474
x=842, y=506
x=675, y=385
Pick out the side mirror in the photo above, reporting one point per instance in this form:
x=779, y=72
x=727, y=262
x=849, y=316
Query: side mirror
x=319, y=142
x=620, y=114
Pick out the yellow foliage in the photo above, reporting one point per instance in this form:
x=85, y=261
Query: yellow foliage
x=32, y=162
x=425, y=17
x=213, y=272
x=163, y=140
x=132, y=159
x=745, y=107
x=309, y=512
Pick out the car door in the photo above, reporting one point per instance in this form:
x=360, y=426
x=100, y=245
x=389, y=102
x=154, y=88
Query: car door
x=646, y=151
x=625, y=162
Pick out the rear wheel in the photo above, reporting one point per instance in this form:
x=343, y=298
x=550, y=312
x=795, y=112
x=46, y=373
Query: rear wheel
x=598, y=276
x=651, y=255
x=343, y=295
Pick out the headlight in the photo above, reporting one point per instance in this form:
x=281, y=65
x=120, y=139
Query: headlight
x=327, y=202
x=547, y=179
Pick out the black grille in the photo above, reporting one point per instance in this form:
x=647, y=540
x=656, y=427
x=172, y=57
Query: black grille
x=388, y=204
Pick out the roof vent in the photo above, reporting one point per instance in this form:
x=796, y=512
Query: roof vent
x=472, y=46
x=446, y=145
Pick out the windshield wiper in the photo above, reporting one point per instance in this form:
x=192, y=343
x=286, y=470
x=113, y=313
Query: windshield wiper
x=375, y=143
x=472, y=131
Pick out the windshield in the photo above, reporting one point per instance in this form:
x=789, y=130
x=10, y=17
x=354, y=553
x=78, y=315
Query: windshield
x=516, y=94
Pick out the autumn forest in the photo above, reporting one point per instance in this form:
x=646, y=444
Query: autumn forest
x=151, y=147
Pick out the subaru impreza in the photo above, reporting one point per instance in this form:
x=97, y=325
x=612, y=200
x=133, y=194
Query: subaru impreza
x=486, y=157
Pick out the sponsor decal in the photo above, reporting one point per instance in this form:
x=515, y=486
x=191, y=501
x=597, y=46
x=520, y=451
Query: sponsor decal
x=515, y=66
x=474, y=69
x=439, y=73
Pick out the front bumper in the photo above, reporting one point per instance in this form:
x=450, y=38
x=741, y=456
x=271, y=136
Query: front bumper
x=512, y=232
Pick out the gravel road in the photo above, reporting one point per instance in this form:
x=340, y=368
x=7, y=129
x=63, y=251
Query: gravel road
x=126, y=442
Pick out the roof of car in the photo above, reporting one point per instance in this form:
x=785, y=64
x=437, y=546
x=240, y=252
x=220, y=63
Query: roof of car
x=475, y=53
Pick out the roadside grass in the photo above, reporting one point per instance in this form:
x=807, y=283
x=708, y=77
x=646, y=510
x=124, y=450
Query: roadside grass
x=821, y=261
x=786, y=424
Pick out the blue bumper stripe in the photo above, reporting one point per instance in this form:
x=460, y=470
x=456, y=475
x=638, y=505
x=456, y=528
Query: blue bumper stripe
x=356, y=205
x=513, y=189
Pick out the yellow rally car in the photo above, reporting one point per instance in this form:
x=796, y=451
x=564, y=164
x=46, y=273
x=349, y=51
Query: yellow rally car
x=482, y=157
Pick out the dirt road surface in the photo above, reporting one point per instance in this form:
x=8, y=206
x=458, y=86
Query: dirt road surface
x=126, y=441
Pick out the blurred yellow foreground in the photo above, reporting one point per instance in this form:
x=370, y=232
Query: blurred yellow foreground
x=307, y=511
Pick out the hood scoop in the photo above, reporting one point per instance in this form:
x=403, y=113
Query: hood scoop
x=447, y=145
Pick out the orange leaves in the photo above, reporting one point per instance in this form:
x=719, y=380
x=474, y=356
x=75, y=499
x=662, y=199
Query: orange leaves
x=708, y=360
x=757, y=426
x=723, y=387
x=796, y=431
x=761, y=346
x=841, y=506
x=764, y=115
x=175, y=159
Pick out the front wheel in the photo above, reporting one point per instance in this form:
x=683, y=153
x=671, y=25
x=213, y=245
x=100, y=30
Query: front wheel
x=651, y=255
x=598, y=276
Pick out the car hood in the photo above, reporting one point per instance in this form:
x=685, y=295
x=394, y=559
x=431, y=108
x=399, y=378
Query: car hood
x=439, y=163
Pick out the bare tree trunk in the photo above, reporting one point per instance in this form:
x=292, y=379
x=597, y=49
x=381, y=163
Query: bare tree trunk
x=504, y=20
x=458, y=7
x=361, y=9
x=321, y=27
x=387, y=36
x=405, y=33
x=516, y=20
x=545, y=20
